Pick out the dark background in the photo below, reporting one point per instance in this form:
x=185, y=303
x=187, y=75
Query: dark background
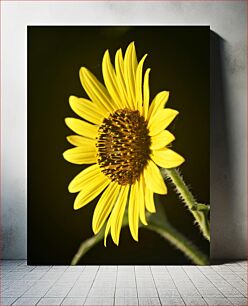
x=179, y=61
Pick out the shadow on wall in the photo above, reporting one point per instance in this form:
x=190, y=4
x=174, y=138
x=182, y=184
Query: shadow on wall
x=224, y=227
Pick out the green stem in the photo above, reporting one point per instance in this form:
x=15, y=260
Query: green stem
x=201, y=216
x=86, y=246
x=168, y=232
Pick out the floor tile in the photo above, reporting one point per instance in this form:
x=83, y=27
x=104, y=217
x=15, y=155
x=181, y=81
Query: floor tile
x=10, y=292
x=39, y=289
x=58, y=291
x=58, y=268
x=79, y=291
x=238, y=301
x=145, y=283
x=41, y=269
x=126, y=269
x=147, y=292
x=15, y=275
x=33, y=275
x=26, y=301
x=124, y=285
x=166, y=301
x=51, y=276
x=100, y=285
x=75, y=269
x=126, y=301
x=126, y=292
x=92, y=269
x=210, y=292
x=164, y=292
x=73, y=301
x=217, y=301
x=230, y=292
x=50, y=301
x=85, y=280
x=7, y=301
x=194, y=301
x=106, y=275
x=189, y=292
x=99, y=301
x=23, y=269
x=165, y=275
x=147, y=301
x=102, y=292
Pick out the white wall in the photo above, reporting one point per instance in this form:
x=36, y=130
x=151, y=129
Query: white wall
x=229, y=103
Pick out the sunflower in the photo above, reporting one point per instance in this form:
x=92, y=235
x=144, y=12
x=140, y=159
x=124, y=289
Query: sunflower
x=124, y=139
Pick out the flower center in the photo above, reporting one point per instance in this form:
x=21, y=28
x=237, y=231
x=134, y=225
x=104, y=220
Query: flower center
x=123, y=146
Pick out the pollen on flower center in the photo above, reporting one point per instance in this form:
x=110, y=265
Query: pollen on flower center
x=123, y=146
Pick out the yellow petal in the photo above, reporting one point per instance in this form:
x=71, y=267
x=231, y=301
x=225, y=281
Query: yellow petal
x=91, y=190
x=134, y=67
x=118, y=213
x=146, y=93
x=149, y=200
x=161, y=120
x=78, y=141
x=134, y=60
x=119, y=68
x=161, y=140
x=138, y=85
x=133, y=211
x=167, y=158
x=86, y=109
x=82, y=128
x=84, y=177
x=81, y=155
x=95, y=90
x=141, y=198
x=153, y=178
x=110, y=80
x=107, y=231
x=104, y=206
x=158, y=103
x=130, y=66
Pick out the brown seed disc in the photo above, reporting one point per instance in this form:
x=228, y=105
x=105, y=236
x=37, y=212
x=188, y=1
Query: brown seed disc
x=123, y=146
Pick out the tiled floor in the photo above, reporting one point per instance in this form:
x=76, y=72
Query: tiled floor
x=123, y=285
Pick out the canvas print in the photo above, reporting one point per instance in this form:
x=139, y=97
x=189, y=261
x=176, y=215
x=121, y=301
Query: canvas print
x=118, y=145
